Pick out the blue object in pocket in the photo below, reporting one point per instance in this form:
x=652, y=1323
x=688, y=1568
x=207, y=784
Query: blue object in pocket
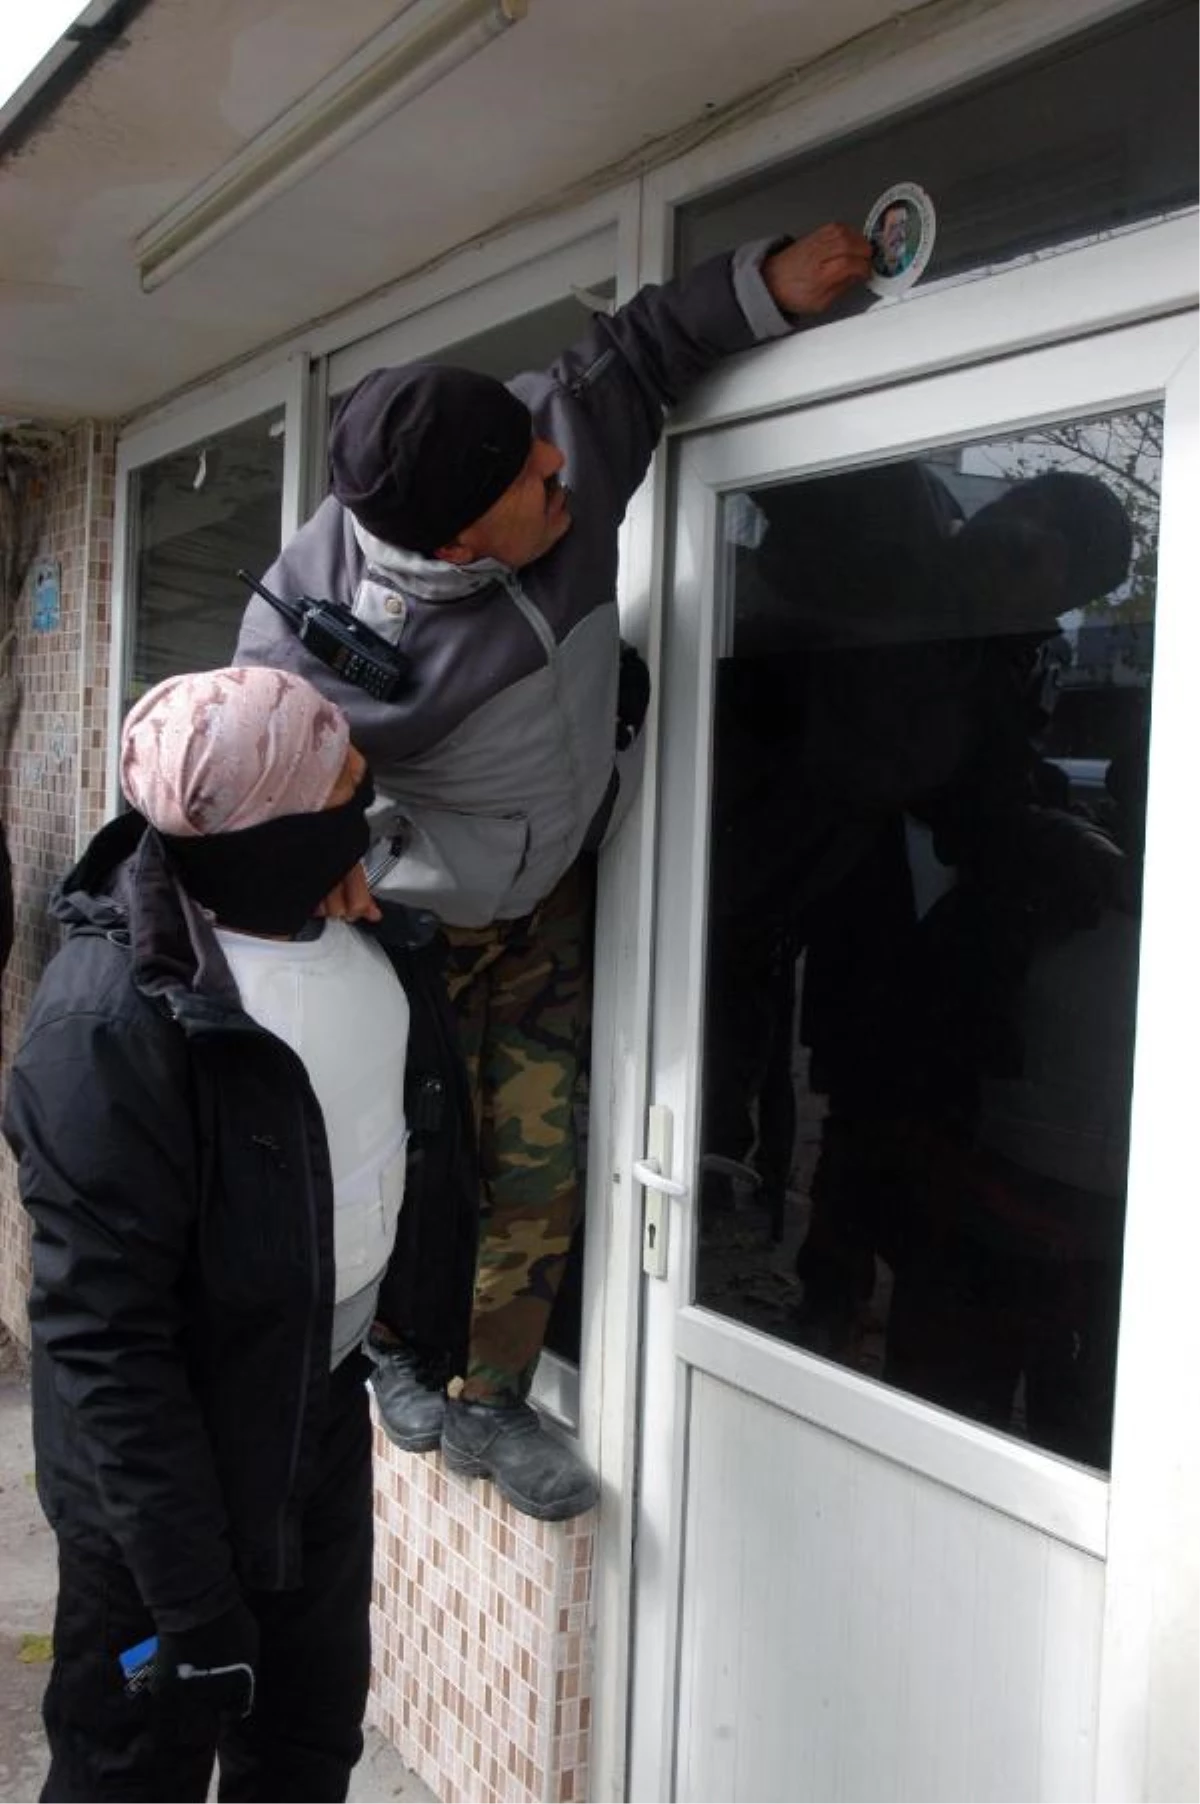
x=137, y=1664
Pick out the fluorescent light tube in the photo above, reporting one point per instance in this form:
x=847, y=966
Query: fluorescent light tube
x=427, y=41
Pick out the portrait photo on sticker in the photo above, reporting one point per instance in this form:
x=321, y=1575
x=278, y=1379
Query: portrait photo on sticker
x=901, y=227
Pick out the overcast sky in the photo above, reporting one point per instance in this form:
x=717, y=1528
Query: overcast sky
x=27, y=30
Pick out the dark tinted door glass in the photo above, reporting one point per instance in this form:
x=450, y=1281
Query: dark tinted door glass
x=930, y=744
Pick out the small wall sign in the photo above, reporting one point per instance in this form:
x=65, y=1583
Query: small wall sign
x=47, y=597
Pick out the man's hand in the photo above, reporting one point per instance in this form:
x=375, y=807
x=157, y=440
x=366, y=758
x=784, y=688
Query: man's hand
x=205, y=1673
x=351, y=899
x=808, y=276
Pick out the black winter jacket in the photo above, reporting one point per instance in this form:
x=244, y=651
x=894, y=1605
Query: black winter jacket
x=174, y=1160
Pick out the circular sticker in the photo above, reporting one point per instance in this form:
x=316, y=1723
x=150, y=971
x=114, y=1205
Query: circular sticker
x=901, y=226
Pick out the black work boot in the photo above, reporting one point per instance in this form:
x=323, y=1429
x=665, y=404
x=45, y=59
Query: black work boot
x=409, y=1394
x=506, y=1442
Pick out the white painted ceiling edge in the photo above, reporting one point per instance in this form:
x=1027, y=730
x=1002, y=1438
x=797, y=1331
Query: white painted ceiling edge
x=576, y=92
x=581, y=96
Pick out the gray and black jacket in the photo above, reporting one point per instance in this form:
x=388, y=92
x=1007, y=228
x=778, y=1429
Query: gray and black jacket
x=499, y=760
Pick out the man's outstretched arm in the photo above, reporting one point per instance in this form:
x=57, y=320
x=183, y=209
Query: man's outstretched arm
x=631, y=368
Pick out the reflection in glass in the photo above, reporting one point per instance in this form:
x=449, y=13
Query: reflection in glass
x=201, y=513
x=930, y=740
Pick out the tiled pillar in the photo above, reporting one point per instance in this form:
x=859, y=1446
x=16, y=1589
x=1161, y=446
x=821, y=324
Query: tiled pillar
x=481, y=1622
x=52, y=783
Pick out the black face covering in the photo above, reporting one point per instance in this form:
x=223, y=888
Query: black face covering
x=270, y=879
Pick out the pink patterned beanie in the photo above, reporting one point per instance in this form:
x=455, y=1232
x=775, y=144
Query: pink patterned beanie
x=220, y=750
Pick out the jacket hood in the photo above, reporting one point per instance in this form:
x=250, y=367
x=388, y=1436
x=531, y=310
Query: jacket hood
x=124, y=886
x=94, y=892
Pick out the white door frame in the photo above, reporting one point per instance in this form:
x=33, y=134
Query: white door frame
x=1149, y=1743
x=980, y=400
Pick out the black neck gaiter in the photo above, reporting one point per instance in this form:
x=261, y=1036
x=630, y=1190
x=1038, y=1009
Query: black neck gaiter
x=271, y=878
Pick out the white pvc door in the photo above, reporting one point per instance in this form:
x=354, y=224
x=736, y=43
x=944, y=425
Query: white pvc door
x=894, y=1033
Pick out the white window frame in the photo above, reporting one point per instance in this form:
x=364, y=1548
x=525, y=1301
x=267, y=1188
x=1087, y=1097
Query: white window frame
x=285, y=386
x=1146, y=272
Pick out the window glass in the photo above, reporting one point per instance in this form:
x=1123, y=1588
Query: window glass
x=930, y=740
x=530, y=342
x=201, y=514
x=1096, y=134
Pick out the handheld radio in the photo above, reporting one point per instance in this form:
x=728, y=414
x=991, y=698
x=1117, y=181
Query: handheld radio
x=348, y=646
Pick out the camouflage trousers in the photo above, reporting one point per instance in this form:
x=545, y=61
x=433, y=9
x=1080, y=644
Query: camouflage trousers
x=522, y=993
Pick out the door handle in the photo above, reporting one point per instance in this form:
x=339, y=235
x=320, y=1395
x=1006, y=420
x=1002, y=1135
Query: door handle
x=649, y=1175
x=657, y=1189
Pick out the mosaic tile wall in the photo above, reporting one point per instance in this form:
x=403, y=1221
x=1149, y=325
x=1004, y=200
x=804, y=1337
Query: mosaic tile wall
x=52, y=780
x=482, y=1628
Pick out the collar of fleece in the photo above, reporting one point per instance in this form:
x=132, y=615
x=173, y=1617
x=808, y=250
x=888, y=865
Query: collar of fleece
x=428, y=578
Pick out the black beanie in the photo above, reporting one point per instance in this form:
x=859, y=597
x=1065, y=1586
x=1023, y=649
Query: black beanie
x=419, y=452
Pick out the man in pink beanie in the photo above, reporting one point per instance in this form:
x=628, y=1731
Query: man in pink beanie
x=204, y=1110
